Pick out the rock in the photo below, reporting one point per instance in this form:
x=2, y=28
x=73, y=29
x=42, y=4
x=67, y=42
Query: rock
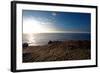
x=25, y=45
x=50, y=42
x=54, y=42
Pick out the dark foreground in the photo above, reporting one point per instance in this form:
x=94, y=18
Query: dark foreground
x=58, y=51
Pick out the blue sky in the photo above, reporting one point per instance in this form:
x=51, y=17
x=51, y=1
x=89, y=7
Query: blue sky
x=60, y=21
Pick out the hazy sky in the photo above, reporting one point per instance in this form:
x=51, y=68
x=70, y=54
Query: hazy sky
x=48, y=21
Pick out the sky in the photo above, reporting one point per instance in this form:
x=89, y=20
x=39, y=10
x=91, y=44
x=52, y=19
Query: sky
x=55, y=22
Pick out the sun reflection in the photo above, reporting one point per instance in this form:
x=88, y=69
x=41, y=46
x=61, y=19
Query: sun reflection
x=31, y=39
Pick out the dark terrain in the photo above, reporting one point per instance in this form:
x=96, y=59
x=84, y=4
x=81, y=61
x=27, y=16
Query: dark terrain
x=58, y=51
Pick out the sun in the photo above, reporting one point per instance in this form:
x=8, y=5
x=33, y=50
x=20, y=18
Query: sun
x=33, y=26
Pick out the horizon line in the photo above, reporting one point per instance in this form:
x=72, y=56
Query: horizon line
x=58, y=32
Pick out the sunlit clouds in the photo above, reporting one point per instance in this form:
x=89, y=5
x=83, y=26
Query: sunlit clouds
x=34, y=26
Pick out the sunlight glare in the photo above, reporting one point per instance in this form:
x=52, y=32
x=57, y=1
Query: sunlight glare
x=32, y=26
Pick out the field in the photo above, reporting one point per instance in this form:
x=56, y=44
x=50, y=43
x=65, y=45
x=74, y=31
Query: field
x=58, y=51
